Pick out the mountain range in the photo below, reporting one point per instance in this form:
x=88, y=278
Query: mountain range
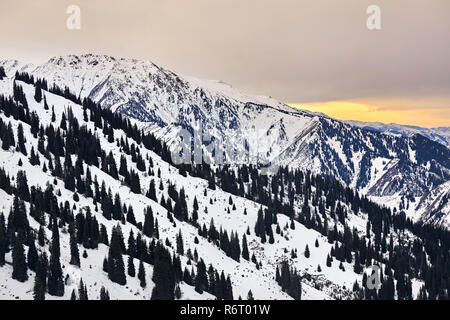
x=379, y=161
x=84, y=165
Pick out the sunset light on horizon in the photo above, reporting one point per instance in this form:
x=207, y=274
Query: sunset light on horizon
x=428, y=113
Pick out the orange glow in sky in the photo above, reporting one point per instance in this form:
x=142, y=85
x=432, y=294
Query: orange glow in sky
x=428, y=113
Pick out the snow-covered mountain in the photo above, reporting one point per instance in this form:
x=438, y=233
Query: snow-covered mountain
x=439, y=134
x=375, y=163
x=87, y=179
x=434, y=206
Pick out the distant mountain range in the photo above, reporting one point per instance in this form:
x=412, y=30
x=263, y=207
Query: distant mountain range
x=439, y=134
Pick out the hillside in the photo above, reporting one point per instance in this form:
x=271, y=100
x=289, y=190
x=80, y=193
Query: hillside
x=82, y=178
x=250, y=129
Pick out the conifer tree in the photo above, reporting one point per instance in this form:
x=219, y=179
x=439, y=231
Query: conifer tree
x=141, y=275
x=116, y=267
x=55, y=275
x=41, y=236
x=2, y=73
x=180, y=247
x=19, y=263
x=148, y=228
x=131, y=268
x=307, y=253
x=32, y=256
x=3, y=240
x=201, y=280
x=38, y=92
x=74, y=252
x=42, y=270
x=245, y=253
x=104, y=294
x=163, y=275
x=21, y=140
x=38, y=289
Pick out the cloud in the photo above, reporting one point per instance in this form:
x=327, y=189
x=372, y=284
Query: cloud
x=293, y=50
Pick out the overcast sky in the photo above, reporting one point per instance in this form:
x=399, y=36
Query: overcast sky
x=293, y=50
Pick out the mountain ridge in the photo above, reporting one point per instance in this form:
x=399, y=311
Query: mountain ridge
x=164, y=103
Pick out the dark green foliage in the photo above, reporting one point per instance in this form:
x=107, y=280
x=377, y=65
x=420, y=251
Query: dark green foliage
x=163, y=275
x=32, y=255
x=55, y=281
x=19, y=263
x=131, y=268
x=104, y=294
x=3, y=240
x=116, y=267
x=141, y=275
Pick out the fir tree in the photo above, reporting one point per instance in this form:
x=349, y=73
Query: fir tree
x=245, y=253
x=131, y=269
x=104, y=294
x=180, y=247
x=3, y=240
x=74, y=252
x=21, y=140
x=19, y=263
x=55, y=276
x=116, y=267
x=38, y=289
x=163, y=275
x=38, y=92
x=307, y=253
x=32, y=256
x=141, y=275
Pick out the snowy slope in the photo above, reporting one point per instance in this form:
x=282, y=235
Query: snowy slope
x=250, y=129
x=434, y=206
x=244, y=275
x=333, y=282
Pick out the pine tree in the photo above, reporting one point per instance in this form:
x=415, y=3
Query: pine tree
x=307, y=253
x=82, y=291
x=148, y=228
x=3, y=240
x=116, y=267
x=38, y=92
x=177, y=292
x=41, y=236
x=32, y=256
x=74, y=252
x=21, y=140
x=2, y=73
x=141, y=275
x=42, y=270
x=201, y=280
x=104, y=294
x=38, y=289
x=245, y=253
x=55, y=276
x=163, y=275
x=19, y=263
x=131, y=268
x=180, y=247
